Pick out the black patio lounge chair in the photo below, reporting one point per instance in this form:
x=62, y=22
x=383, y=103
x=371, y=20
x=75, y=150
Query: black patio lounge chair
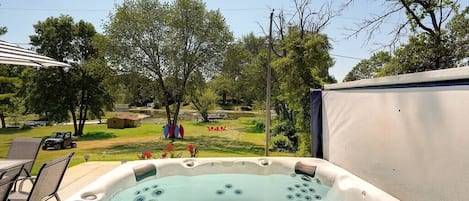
x=47, y=182
x=24, y=149
x=7, y=179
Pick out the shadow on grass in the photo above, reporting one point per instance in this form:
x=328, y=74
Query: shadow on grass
x=9, y=131
x=97, y=136
x=252, y=126
x=225, y=145
x=139, y=147
x=252, y=129
x=210, y=123
x=203, y=143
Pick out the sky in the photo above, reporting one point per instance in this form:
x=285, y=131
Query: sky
x=242, y=16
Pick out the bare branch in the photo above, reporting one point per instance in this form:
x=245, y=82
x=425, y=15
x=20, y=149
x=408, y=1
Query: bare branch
x=372, y=25
x=281, y=26
x=324, y=17
x=346, y=4
x=307, y=19
x=300, y=10
x=262, y=28
x=395, y=40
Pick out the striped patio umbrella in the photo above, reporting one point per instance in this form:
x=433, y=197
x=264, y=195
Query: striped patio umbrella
x=12, y=54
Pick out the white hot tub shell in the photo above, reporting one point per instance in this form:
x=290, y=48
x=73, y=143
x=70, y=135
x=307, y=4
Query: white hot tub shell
x=343, y=185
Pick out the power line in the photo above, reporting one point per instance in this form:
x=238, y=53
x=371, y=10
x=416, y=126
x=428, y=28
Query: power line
x=57, y=10
x=336, y=55
x=107, y=10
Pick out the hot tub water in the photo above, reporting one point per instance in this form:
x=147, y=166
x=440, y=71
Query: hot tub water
x=219, y=187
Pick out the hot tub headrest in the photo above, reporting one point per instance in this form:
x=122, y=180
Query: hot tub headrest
x=143, y=171
x=301, y=168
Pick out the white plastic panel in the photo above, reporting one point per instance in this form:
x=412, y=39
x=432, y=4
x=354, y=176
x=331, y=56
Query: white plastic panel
x=411, y=142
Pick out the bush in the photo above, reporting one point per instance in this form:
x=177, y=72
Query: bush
x=281, y=143
x=284, y=128
x=289, y=132
x=304, y=147
x=260, y=125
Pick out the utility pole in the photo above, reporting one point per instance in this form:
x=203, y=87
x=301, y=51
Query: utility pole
x=267, y=94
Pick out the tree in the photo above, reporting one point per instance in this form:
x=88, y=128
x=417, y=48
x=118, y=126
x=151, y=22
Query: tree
x=43, y=93
x=303, y=62
x=421, y=54
x=228, y=82
x=94, y=95
x=243, y=71
x=4, y=96
x=304, y=67
x=368, y=68
x=9, y=85
x=201, y=95
x=255, y=72
x=138, y=89
x=459, y=36
x=3, y=30
x=429, y=46
x=54, y=37
x=306, y=20
x=78, y=90
x=167, y=42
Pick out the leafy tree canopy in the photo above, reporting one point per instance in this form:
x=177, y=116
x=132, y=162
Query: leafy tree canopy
x=79, y=90
x=305, y=66
x=3, y=30
x=368, y=68
x=9, y=85
x=167, y=42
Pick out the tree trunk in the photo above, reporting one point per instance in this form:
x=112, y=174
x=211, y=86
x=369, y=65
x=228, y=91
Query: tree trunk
x=82, y=113
x=224, y=98
x=205, y=117
x=202, y=112
x=2, y=117
x=69, y=101
x=168, y=113
x=82, y=122
x=176, y=113
x=438, y=48
x=74, y=119
x=167, y=96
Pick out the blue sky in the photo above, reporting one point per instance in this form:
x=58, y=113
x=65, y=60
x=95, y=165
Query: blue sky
x=242, y=16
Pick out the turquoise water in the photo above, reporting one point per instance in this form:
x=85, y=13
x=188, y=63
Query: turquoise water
x=219, y=187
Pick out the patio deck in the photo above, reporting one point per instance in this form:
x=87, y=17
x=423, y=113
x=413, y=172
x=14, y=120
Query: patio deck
x=79, y=176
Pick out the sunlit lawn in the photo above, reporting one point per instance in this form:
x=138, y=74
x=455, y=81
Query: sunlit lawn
x=242, y=139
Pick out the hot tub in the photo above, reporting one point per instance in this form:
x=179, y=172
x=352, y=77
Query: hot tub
x=218, y=179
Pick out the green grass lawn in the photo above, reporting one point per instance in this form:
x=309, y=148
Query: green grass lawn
x=242, y=139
